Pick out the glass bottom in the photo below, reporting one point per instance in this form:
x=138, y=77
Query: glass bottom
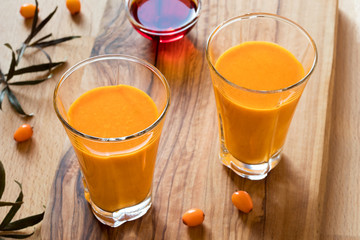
x=249, y=171
x=115, y=219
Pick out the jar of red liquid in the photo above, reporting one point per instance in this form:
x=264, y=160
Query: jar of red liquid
x=163, y=20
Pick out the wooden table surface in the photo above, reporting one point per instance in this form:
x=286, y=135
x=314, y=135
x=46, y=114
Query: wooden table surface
x=327, y=203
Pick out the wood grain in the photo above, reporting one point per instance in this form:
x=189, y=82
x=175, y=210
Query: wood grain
x=34, y=163
x=341, y=218
x=188, y=173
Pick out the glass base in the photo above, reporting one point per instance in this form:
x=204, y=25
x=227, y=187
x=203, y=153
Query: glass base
x=115, y=219
x=249, y=171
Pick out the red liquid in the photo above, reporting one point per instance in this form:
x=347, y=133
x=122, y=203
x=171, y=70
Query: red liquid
x=164, y=20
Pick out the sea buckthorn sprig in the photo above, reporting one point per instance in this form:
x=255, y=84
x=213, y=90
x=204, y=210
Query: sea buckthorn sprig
x=9, y=228
x=41, y=43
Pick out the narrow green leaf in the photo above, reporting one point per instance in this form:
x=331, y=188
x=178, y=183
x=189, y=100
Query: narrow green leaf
x=46, y=55
x=15, y=104
x=2, y=95
x=43, y=23
x=2, y=178
x=12, y=64
x=54, y=42
x=33, y=27
x=2, y=77
x=37, y=68
x=29, y=82
x=13, y=210
x=20, y=52
x=16, y=236
x=41, y=39
x=3, y=204
x=25, y=222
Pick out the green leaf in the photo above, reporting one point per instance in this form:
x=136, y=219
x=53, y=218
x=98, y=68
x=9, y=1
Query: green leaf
x=2, y=178
x=29, y=82
x=15, y=104
x=13, y=210
x=46, y=55
x=2, y=77
x=21, y=52
x=16, y=236
x=3, y=204
x=40, y=26
x=25, y=222
x=37, y=68
x=41, y=39
x=12, y=64
x=53, y=42
x=2, y=95
x=33, y=27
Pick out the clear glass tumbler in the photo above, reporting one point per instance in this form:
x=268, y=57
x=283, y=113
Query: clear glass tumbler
x=117, y=171
x=253, y=123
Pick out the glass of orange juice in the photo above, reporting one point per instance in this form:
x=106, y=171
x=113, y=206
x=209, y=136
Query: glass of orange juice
x=113, y=109
x=259, y=65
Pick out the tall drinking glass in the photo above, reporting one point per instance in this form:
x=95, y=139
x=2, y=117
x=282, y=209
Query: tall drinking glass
x=253, y=122
x=117, y=170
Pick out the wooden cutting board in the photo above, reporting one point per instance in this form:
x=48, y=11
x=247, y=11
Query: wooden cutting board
x=287, y=204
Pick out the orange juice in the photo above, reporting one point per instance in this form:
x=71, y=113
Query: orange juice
x=117, y=174
x=254, y=123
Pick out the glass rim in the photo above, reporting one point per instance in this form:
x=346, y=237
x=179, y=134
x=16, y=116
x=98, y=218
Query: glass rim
x=261, y=15
x=128, y=58
x=160, y=32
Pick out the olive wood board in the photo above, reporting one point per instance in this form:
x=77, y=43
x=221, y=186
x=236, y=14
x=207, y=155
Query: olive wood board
x=287, y=204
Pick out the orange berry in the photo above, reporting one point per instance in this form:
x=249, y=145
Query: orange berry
x=28, y=10
x=242, y=201
x=193, y=217
x=23, y=133
x=73, y=6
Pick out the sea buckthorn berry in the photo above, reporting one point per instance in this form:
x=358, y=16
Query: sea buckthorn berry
x=242, y=201
x=193, y=217
x=23, y=133
x=73, y=6
x=28, y=10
